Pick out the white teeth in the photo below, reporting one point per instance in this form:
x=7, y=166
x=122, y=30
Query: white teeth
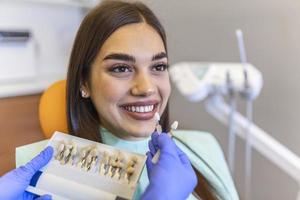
x=140, y=109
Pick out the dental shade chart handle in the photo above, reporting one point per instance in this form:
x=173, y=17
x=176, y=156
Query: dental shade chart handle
x=158, y=129
x=231, y=127
x=173, y=127
x=249, y=110
x=91, y=169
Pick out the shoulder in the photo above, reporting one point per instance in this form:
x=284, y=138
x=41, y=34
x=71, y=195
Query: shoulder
x=25, y=153
x=202, y=145
x=207, y=157
x=207, y=140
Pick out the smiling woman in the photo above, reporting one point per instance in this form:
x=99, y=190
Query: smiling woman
x=119, y=60
x=118, y=79
x=128, y=77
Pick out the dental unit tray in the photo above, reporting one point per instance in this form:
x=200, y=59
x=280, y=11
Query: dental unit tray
x=84, y=169
x=198, y=80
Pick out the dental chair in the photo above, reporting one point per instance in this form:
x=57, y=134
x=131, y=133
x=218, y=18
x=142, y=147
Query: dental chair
x=52, y=109
x=52, y=117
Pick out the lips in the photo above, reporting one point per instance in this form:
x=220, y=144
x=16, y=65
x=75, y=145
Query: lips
x=143, y=110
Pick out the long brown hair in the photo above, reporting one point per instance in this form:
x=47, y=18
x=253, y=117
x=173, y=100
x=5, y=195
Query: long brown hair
x=82, y=117
x=96, y=27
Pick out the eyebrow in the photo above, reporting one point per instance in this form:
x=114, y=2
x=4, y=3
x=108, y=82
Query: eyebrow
x=120, y=56
x=159, y=56
x=130, y=58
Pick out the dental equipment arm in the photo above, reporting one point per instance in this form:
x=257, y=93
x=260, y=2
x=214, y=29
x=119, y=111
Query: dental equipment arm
x=249, y=114
x=277, y=153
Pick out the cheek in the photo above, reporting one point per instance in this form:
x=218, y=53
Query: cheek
x=111, y=92
x=106, y=90
x=165, y=88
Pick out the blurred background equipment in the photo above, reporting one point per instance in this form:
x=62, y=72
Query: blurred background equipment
x=210, y=83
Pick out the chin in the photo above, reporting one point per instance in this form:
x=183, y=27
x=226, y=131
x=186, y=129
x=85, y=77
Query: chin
x=141, y=130
x=141, y=133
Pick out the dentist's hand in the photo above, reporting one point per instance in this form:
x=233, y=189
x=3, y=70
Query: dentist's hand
x=172, y=177
x=14, y=183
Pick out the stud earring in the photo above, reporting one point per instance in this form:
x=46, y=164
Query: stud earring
x=84, y=94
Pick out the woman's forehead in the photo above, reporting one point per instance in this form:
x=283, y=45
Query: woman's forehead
x=138, y=40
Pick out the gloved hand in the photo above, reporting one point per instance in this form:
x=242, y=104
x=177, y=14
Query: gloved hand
x=14, y=183
x=172, y=177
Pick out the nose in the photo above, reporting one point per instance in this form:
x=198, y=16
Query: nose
x=143, y=85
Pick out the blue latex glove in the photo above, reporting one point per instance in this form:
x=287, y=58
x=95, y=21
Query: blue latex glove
x=172, y=177
x=14, y=183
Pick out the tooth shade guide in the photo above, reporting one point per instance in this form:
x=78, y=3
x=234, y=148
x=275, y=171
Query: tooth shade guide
x=102, y=164
x=174, y=126
x=111, y=165
x=157, y=117
x=156, y=157
x=158, y=127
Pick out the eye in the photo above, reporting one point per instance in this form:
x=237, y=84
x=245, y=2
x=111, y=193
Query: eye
x=120, y=69
x=160, y=67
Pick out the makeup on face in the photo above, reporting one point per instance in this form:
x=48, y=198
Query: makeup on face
x=130, y=81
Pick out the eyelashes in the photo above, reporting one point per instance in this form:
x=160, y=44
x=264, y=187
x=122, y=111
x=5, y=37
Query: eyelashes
x=160, y=67
x=123, y=68
x=120, y=69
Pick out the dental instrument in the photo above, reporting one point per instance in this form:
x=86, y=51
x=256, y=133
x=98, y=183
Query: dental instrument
x=173, y=127
x=231, y=128
x=159, y=131
x=158, y=126
x=249, y=111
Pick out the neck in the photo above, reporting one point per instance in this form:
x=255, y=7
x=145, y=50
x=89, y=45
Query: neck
x=122, y=134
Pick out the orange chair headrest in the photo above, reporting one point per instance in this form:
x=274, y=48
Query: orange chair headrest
x=52, y=109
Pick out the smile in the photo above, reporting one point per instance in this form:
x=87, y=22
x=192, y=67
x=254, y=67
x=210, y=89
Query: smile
x=141, y=110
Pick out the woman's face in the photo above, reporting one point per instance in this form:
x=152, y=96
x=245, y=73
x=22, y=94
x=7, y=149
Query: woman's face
x=129, y=81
